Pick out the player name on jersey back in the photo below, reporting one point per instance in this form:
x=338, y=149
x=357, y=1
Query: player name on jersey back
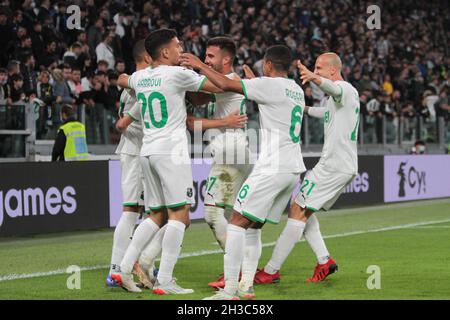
x=160, y=93
x=281, y=105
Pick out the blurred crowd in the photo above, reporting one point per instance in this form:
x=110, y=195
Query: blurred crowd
x=401, y=70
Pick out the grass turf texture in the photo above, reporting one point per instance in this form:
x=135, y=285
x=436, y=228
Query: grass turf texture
x=413, y=258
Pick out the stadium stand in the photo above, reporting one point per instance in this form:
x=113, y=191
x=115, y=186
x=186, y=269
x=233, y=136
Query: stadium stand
x=401, y=71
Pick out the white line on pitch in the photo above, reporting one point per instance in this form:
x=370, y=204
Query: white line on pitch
x=208, y=252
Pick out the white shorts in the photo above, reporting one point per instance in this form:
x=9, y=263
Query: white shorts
x=167, y=184
x=223, y=184
x=264, y=197
x=321, y=188
x=132, y=188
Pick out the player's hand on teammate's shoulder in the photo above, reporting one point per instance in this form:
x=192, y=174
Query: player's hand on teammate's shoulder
x=188, y=60
x=248, y=72
x=236, y=120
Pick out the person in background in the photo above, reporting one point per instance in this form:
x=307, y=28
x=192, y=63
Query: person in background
x=70, y=143
x=3, y=81
x=418, y=148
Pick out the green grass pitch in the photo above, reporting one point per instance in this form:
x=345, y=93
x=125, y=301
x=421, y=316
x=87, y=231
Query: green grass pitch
x=409, y=242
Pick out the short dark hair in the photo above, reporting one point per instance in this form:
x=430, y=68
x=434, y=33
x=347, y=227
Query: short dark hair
x=139, y=51
x=280, y=56
x=68, y=110
x=16, y=77
x=156, y=39
x=224, y=43
x=103, y=62
x=67, y=66
x=113, y=75
x=3, y=70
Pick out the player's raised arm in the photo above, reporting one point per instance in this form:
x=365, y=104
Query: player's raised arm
x=215, y=79
x=326, y=85
x=232, y=121
x=315, y=112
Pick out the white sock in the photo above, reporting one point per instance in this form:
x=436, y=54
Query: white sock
x=215, y=218
x=314, y=238
x=152, y=250
x=289, y=237
x=234, y=254
x=171, y=247
x=122, y=238
x=143, y=234
x=252, y=253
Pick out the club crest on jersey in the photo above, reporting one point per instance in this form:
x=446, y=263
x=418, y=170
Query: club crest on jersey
x=189, y=192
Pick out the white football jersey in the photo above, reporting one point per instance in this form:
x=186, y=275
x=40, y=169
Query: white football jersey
x=224, y=104
x=341, y=122
x=281, y=105
x=160, y=93
x=130, y=140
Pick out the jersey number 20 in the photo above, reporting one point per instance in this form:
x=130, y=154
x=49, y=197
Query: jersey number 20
x=149, y=103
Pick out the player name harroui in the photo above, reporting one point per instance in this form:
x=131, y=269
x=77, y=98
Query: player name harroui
x=149, y=82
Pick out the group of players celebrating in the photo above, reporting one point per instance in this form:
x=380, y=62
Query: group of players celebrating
x=156, y=162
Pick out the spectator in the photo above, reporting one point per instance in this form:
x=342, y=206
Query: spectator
x=119, y=68
x=45, y=94
x=3, y=81
x=70, y=143
x=75, y=84
x=28, y=73
x=102, y=66
x=418, y=148
x=50, y=56
x=429, y=99
x=15, y=92
x=61, y=88
x=95, y=32
x=37, y=41
x=104, y=51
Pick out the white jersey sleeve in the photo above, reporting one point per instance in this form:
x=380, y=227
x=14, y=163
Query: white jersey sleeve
x=188, y=80
x=256, y=89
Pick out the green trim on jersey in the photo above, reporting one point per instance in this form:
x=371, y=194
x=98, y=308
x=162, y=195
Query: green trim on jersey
x=202, y=84
x=252, y=217
x=134, y=119
x=224, y=205
x=272, y=222
x=129, y=204
x=244, y=89
x=311, y=209
x=129, y=78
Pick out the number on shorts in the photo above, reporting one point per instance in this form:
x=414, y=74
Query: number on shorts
x=296, y=117
x=305, y=184
x=210, y=182
x=149, y=103
x=244, y=191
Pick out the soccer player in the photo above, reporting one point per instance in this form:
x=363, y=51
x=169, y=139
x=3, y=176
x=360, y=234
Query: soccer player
x=266, y=192
x=129, y=148
x=227, y=174
x=165, y=159
x=337, y=167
